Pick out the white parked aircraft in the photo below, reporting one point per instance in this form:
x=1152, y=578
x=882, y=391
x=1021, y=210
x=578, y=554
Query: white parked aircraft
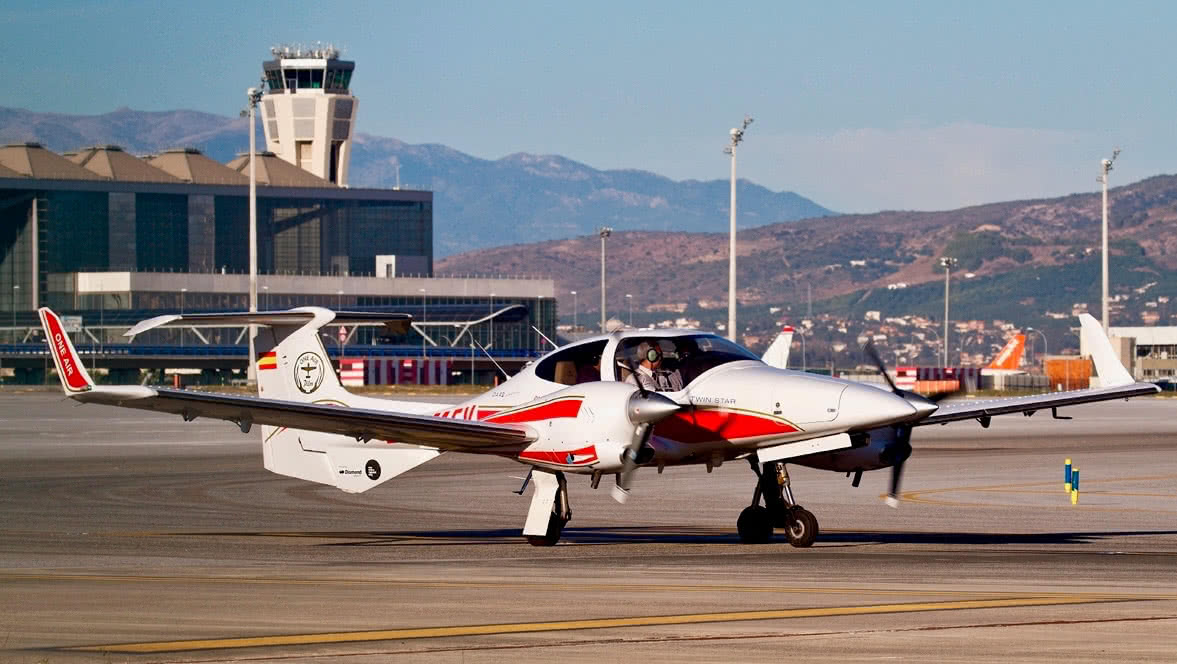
x=572, y=411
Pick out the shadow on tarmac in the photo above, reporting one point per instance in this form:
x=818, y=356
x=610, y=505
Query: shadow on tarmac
x=662, y=535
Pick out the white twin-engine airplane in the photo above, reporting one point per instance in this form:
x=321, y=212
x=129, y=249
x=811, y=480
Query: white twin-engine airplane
x=573, y=411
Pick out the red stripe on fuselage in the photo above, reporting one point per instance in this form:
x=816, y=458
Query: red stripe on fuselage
x=560, y=457
x=710, y=425
x=545, y=411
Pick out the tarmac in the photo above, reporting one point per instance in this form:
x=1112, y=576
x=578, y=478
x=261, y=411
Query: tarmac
x=128, y=536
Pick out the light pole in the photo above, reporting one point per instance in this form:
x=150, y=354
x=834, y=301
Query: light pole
x=575, y=325
x=424, y=315
x=737, y=135
x=254, y=96
x=15, y=292
x=339, y=337
x=946, y=262
x=1045, y=346
x=629, y=301
x=604, y=232
x=491, y=341
x=1105, y=168
x=938, y=339
x=183, y=293
x=801, y=335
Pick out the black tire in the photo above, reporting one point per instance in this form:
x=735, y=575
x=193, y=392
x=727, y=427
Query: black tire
x=802, y=529
x=754, y=525
x=555, y=528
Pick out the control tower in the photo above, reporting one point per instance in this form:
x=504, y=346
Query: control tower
x=308, y=112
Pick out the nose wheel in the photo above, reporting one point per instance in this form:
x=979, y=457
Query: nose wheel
x=780, y=510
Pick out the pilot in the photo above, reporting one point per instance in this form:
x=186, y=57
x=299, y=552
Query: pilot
x=650, y=371
x=589, y=371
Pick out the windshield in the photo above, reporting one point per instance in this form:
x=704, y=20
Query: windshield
x=679, y=359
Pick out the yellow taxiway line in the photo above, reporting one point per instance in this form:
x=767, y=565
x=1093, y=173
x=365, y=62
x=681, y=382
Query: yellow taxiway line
x=571, y=625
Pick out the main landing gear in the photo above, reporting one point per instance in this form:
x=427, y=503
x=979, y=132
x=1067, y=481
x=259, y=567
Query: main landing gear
x=549, y=510
x=756, y=522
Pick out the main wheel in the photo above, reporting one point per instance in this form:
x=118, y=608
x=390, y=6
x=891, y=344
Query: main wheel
x=802, y=527
x=555, y=528
x=754, y=525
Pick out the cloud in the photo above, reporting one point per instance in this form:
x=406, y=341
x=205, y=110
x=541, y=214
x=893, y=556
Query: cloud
x=938, y=168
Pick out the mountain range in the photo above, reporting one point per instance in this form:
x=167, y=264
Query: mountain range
x=1033, y=262
x=478, y=203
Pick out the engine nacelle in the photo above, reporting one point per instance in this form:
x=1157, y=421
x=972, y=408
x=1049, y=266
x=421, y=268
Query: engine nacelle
x=884, y=448
x=582, y=429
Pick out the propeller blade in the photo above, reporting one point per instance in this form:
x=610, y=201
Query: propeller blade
x=645, y=409
x=896, y=479
x=873, y=354
x=900, y=451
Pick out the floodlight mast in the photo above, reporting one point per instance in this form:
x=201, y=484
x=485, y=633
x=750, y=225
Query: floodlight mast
x=737, y=135
x=254, y=95
x=1105, y=166
x=604, y=232
x=946, y=262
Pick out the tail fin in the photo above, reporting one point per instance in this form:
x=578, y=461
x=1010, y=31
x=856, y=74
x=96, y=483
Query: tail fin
x=73, y=375
x=1010, y=357
x=777, y=354
x=1111, y=373
x=292, y=363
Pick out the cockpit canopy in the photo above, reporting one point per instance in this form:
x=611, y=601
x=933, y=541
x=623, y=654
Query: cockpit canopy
x=690, y=355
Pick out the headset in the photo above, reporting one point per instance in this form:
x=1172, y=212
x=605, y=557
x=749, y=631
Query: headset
x=653, y=354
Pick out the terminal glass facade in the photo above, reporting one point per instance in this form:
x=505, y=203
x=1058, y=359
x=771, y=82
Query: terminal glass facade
x=201, y=230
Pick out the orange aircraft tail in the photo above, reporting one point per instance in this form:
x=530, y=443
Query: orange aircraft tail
x=1011, y=355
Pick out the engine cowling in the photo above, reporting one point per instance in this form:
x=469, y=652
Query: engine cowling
x=883, y=449
x=582, y=428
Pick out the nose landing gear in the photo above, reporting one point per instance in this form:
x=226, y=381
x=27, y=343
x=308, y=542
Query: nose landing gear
x=549, y=511
x=756, y=522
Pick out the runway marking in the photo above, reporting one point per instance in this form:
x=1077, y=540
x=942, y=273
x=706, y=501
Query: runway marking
x=532, y=586
x=575, y=625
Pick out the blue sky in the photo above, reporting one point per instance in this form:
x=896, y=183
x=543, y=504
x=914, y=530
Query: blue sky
x=859, y=105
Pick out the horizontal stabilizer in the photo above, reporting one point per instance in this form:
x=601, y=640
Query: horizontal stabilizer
x=397, y=323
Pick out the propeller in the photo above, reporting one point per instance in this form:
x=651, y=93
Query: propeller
x=644, y=410
x=900, y=450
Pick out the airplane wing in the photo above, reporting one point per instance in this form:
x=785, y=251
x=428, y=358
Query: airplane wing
x=971, y=410
x=1115, y=382
x=360, y=423
x=245, y=411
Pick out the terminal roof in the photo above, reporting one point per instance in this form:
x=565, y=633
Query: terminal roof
x=110, y=162
x=189, y=165
x=32, y=160
x=273, y=171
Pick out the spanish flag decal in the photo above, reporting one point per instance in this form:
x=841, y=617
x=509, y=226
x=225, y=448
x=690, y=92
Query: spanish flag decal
x=268, y=361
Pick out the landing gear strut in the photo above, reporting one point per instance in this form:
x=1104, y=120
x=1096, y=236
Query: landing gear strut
x=757, y=522
x=549, y=510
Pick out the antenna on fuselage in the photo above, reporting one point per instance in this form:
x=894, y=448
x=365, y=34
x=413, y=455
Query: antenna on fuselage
x=550, y=342
x=487, y=353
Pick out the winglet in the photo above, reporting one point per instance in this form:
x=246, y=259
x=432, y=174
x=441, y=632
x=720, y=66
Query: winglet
x=1107, y=366
x=74, y=378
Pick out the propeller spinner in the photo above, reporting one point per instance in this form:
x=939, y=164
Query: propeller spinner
x=644, y=410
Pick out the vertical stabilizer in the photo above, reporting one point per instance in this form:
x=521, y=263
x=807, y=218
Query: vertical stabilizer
x=777, y=354
x=1010, y=357
x=1107, y=365
x=71, y=371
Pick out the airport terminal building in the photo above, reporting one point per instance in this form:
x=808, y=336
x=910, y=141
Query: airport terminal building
x=107, y=238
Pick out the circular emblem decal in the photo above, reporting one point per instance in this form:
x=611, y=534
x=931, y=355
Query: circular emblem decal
x=308, y=372
x=372, y=470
